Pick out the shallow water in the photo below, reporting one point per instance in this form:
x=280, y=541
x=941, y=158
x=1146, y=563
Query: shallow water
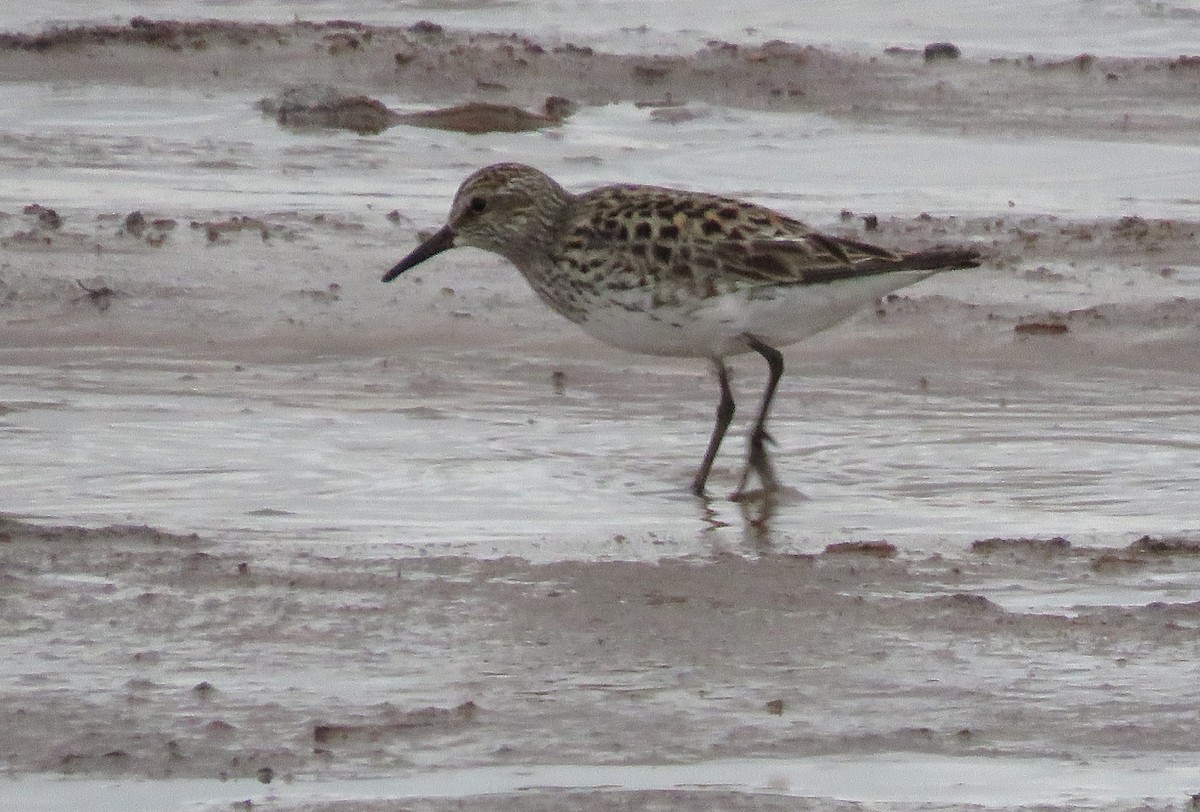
x=345, y=453
x=890, y=779
x=176, y=148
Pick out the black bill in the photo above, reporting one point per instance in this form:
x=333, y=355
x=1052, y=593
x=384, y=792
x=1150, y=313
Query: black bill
x=439, y=242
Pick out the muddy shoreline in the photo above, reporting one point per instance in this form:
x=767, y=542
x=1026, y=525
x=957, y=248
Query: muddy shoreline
x=1084, y=97
x=500, y=661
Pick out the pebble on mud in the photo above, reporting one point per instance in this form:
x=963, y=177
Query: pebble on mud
x=154, y=232
x=101, y=296
x=135, y=223
x=46, y=217
x=1040, y=328
x=219, y=729
x=876, y=549
x=941, y=50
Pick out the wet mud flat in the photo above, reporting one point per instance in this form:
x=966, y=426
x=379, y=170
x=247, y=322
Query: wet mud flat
x=136, y=652
x=278, y=537
x=322, y=665
x=214, y=284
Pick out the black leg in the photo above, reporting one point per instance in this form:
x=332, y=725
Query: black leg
x=757, y=459
x=725, y=408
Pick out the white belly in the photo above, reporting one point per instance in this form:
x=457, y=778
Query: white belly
x=715, y=327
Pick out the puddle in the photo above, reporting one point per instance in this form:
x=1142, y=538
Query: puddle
x=893, y=779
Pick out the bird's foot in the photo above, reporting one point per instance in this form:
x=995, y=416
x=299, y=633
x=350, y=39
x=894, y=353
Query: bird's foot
x=758, y=462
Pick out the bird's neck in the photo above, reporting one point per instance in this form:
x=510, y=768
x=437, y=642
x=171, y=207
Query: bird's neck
x=535, y=252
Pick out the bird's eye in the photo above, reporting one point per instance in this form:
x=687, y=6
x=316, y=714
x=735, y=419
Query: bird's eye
x=478, y=204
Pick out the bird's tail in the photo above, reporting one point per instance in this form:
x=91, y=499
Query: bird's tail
x=941, y=259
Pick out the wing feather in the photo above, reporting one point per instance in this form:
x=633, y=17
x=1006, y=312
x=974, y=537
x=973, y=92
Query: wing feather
x=656, y=236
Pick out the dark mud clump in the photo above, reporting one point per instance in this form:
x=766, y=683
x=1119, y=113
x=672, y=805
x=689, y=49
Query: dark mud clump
x=173, y=35
x=874, y=549
x=1045, y=547
x=323, y=107
x=14, y=530
x=477, y=118
x=1148, y=545
x=1040, y=328
x=47, y=218
x=218, y=231
x=101, y=296
x=935, y=51
x=396, y=723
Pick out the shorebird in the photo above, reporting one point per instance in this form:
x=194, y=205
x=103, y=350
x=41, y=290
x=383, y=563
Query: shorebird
x=668, y=272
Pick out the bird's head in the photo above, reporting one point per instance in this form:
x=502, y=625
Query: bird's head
x=507, y=208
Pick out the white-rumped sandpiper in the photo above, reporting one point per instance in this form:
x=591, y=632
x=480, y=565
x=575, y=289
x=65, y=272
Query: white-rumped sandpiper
x=669, y=272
